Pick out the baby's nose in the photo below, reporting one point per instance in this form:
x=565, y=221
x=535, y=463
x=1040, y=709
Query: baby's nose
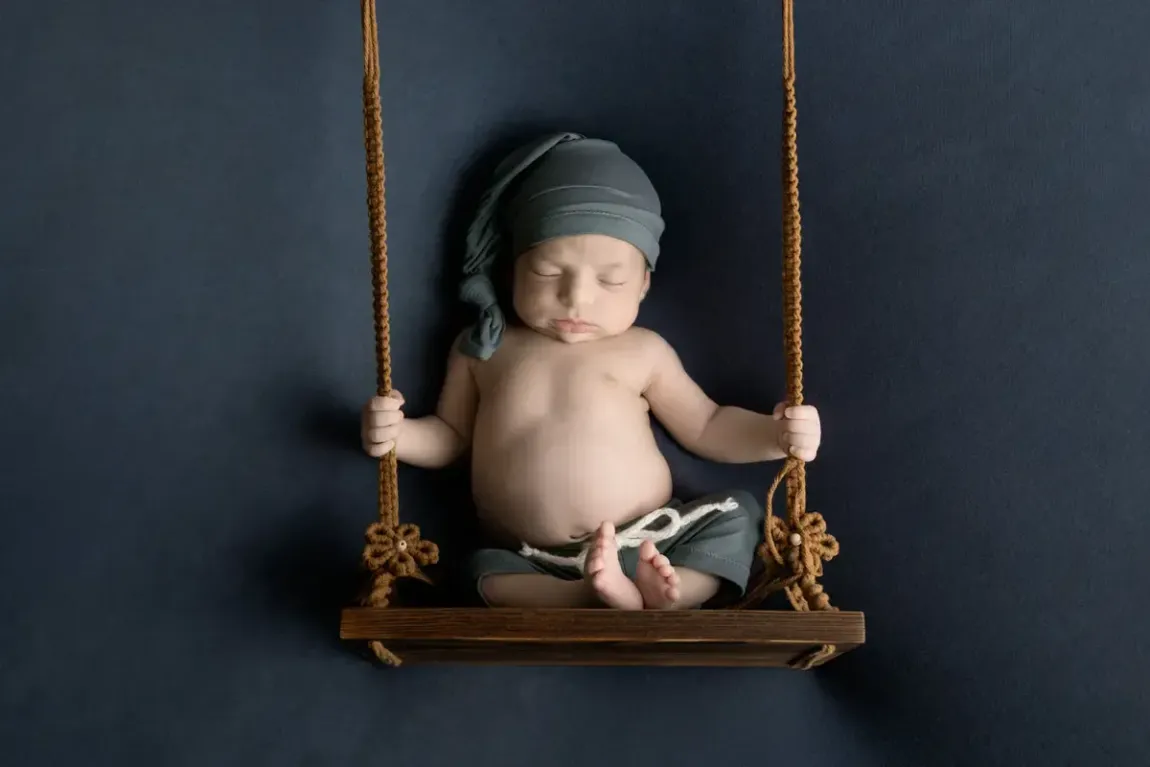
x=577, y=291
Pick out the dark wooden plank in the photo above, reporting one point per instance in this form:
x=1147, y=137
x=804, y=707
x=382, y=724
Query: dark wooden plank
x=599, y=626
x=507, y=653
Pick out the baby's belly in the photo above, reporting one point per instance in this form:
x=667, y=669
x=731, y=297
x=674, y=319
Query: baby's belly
x=559, y=481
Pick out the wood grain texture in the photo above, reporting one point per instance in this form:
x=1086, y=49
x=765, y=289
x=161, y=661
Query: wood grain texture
x=603, y=637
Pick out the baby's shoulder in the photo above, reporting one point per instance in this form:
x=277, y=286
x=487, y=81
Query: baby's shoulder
x=647, y=341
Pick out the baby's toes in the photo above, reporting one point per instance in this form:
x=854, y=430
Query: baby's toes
x=663, y=566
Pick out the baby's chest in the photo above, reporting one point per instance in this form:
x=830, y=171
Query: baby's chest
x=551, y=380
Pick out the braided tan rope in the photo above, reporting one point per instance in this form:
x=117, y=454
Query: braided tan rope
x=377, y=210
x=392, y=550
x=801, y=543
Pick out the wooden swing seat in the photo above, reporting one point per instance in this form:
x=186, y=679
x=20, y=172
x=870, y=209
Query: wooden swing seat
x=812, y=634
x=592, y=637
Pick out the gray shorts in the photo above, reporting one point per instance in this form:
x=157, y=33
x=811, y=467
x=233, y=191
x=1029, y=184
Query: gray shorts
x=717, y=534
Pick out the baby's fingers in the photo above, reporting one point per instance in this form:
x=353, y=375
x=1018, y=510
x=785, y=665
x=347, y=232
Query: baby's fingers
x=383, y=435
x=802, y=440
x=800, y=445
x=804, y=453
x=802, y=413
x=393, y=401
x=380, y=450
x=380, y=418
x=802, y=427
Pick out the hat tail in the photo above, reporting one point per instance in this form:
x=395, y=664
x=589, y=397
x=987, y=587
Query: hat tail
x=485, y=241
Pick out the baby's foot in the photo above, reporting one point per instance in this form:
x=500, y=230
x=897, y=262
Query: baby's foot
x=657, y=580
x=605, y=574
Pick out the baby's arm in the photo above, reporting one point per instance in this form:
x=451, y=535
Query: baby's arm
x=726, y=434
x=433, y=441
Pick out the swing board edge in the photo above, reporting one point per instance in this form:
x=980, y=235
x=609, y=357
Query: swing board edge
x=514, y=636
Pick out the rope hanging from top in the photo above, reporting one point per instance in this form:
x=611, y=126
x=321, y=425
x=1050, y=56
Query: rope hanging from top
x=392, y=550
x=800, y=544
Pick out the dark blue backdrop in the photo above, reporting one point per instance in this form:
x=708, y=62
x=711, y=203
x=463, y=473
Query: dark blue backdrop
x=186, y=335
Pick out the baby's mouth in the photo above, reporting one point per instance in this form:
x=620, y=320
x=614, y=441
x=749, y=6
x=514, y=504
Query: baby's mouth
x=572, y=326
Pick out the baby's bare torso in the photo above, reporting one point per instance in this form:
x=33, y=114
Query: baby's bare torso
x=563, y=439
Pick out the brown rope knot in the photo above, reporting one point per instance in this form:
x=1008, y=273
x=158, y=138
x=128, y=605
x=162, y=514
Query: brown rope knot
x=398, y=551
x=804, y=547
x=798, y=542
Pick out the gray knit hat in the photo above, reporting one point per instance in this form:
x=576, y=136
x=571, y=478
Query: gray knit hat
x=565, y=184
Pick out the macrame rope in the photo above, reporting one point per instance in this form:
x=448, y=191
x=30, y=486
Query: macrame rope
x=801, y=543
x=377, y=210
x=392, y=550
x=792, y=223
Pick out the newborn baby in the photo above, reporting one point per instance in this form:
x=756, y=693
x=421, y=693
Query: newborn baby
x=554, y=406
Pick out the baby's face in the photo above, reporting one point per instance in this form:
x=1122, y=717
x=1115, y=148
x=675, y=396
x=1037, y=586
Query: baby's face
x=580, y=288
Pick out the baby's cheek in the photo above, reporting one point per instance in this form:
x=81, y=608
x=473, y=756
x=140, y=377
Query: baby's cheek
x=532, y=301
x=625, y=311
x=531, y=307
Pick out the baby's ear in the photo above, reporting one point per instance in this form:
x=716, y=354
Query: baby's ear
x=646, y=284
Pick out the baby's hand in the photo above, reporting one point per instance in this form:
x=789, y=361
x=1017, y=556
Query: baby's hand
x=381, y=424
x=799, y=431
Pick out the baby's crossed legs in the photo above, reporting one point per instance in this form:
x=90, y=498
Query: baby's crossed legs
x=720, y=547
x=657, y=584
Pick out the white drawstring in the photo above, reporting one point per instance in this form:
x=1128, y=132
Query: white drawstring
x=635, y=534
